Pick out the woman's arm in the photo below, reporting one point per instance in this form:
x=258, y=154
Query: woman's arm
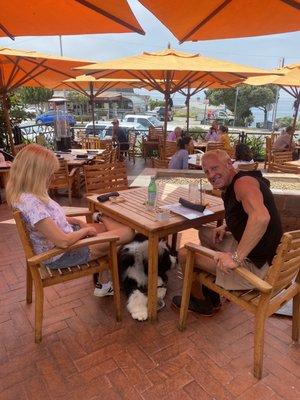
x=58, y=237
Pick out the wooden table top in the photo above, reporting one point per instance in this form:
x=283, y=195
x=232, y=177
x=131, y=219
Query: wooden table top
x=133, y=209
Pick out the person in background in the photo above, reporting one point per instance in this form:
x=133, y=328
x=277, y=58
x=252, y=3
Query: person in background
x=119, y=135
x=45, y=220
x=243, y=155
x=175, y=135
x=180, y=159
x=225, y=140
x=213, y=135
x=285, y=142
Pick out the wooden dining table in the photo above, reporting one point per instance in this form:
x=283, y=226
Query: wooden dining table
x=133, y=212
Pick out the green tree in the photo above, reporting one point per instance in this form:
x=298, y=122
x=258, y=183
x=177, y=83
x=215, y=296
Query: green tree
x=156, y=103
x=248, y=97
x=35, y=96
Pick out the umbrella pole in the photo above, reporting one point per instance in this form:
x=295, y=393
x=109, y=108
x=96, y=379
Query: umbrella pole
x=7, y=123
x=188, y=96
x=296, y=111
x=93, y=106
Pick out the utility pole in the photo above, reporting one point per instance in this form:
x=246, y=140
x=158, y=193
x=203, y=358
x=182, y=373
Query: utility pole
x=274, y=114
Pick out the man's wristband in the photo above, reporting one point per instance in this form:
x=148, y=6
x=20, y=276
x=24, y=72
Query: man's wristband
x=236, y=258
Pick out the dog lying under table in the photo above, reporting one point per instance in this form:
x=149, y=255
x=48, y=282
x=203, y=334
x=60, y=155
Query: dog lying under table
x=133, y=272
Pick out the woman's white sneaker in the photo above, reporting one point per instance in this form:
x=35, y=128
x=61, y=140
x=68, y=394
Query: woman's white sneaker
x=103, y=289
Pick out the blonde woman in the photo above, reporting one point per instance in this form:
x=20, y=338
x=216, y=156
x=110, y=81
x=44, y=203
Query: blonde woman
x=47, y=225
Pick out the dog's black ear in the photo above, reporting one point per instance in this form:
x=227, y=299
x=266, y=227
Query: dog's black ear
x=139, y=237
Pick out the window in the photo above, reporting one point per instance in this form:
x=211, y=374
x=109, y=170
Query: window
x=130, y=119
x=143, y=122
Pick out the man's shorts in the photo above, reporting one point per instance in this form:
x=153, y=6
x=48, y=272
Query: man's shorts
x=230, y=281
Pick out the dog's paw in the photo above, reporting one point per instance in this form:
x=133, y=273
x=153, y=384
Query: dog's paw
x=140, y=315
x=161, y=292
x=137, y=305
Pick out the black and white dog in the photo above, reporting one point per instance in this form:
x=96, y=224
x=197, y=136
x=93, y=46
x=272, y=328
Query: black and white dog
x=133, y=272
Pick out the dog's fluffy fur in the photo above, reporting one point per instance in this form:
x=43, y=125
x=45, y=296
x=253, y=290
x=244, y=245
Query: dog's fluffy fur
x=133, y=271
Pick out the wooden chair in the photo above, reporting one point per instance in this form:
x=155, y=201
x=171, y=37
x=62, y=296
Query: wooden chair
x=42, y=277
x=280, y=157
x=268, y=153
x=281, y=284
x=107, y=178
x=167, y=149
x=248, y=166
x=130, y=152
x=290, y=169
x=63, y=179
x=91, y=143
x=19, y=147
x=157, y=163
x=214, y=146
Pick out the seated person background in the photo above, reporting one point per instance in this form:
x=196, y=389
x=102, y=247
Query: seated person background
x=180, y=159
x=249, y=237
x=224, y=138
x=175, y=135
x=243, y=155
x=212, y=134
x=285, y=142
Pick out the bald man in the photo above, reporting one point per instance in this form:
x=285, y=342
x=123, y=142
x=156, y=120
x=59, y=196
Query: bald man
x=249, y=237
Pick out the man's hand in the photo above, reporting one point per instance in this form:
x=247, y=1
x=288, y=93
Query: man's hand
x=91, y=231
x=218, y=234
x=225, y=262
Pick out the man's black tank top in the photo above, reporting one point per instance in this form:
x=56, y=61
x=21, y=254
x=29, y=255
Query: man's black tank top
x=236, y=219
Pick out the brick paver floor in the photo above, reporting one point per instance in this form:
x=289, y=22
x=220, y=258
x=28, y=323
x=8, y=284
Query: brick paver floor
x=86, y=355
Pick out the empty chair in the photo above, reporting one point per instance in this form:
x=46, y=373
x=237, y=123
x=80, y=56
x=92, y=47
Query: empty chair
x=130, y=152
x=214, y=146
x=63, y=179
x=105, y=178
x=281, y=284
x=285, y=168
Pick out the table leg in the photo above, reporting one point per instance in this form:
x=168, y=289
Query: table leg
x=152, y=276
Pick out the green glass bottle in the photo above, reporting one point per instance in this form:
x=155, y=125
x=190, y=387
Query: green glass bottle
x=152, y=193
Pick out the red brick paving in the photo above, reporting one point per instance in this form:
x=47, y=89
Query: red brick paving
x=86, y=355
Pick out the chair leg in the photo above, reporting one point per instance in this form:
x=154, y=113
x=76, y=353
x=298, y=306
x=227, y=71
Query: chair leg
x=296, y=318
x=28, y=286
x=115, y=279
x=186, y=290
x=39, y=305
x=259, y=333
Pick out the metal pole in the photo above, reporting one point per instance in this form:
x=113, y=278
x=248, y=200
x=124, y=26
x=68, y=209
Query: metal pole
x=280, y=64
x=235, y=105
x=188, y=96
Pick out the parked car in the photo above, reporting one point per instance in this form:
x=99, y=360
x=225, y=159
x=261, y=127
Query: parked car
x=160, y=113
x=127, y=127
x=50, y=116
x=217, y=115
x=145, y=120
x=100, y=127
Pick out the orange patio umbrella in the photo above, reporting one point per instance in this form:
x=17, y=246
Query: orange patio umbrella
x=31, y=68
x=66, y=17
x=170, y=70
x=289, y=82
x=222, y=19
x=91, y=87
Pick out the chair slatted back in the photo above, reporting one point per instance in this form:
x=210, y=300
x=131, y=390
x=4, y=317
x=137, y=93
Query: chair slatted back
x=170, y=148
x=105, y=144
x=23, y=233
x=61, y=177
x=157, y=163
x=280, y=157
x=290, y=169
x=214, y=146
x=155, y=133
x=248, y=166
x=105, y=178
x=90, y=143
x=286, y=263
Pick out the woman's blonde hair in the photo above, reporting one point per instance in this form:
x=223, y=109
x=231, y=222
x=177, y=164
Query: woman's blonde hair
x=30, y=173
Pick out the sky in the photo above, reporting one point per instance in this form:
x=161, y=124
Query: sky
x=263, y=51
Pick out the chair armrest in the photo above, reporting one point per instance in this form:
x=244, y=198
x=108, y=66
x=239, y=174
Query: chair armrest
x=77, y=211
x=257, y=282
x=105, y=237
